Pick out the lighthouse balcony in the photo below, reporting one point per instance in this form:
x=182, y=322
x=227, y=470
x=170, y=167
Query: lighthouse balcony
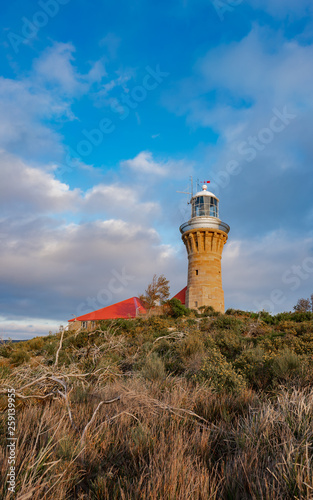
x=204, y=223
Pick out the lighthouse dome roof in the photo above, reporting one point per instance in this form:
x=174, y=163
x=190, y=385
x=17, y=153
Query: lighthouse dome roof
x=205, y=192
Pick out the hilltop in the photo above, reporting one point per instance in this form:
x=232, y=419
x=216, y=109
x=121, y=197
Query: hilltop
x=181, y=405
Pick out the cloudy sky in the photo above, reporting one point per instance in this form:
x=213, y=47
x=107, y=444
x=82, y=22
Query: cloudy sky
x=107, y=109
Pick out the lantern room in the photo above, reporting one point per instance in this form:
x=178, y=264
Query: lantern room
x=204, y=204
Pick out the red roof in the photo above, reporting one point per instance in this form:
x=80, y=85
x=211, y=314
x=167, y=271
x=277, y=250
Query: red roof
x=181, y=296
x=126, y=309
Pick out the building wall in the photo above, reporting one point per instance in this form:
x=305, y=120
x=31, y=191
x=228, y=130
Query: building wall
x=204, y=247
x=84, y=325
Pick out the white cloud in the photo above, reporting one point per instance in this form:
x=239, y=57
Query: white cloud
x=143, y=163
x=120, y=201
x=284, y=8
x=27, y=328
x=27, y=189
x=111, y=43
x=30, y=102
x=36, y=190
x=56, y=66
x=57, y=271
x=52, y=267
x=248, y=78
x=22, y=111
x=255, y=267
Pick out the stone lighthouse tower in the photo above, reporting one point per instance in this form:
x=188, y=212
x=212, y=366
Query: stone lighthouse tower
x=204, y=236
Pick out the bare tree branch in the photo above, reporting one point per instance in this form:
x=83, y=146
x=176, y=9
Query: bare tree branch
x=60, y=347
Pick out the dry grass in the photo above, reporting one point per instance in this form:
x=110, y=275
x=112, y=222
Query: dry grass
x=130, y=428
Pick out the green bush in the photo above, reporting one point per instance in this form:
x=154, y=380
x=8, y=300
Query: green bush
x=191, y=344
x=237, y=312
x=224, y=322
x=176, y=309
x=208, y=311
x=6, y=349
x=220, y=374
x=35, y=344
x=77, y=340
x=19, y=357
x=287, y=364
x=267, y=317
x=254, y=365
x=154, y=368
x=4, y=371
x=229, y=342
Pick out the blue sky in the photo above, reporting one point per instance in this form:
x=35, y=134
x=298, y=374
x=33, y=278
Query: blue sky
x=107, y=109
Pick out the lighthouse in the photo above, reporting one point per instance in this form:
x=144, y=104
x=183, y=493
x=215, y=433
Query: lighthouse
x=204, y=236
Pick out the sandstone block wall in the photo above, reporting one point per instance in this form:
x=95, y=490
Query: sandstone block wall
x=204, y=248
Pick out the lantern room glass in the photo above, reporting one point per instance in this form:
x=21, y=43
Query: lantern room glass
x=204, y=206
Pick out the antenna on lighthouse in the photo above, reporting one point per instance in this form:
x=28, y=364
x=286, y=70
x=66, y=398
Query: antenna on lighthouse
x=190, y=189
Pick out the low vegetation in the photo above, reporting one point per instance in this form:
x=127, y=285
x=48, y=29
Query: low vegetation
x=181, y=406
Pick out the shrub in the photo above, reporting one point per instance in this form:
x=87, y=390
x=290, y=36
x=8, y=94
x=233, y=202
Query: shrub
x=228, y=323
x=267, y=318
x=208, y=311
x=287, y=364
x=191, y=344
x=237, y=312
x=4, y=371
x=220, y=374
x=77, y=340
x=19, y=357
x=35, y=344
x=154, y=368
x=229, y=343
x=253, y=364
x=176, y=309
x=6, y=349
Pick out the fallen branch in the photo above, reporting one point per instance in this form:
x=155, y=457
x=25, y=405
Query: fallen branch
x=123, y=413
x=60, y=347
x=69, y=411
x=82, y=439
x=36, y=396
x=173, y=335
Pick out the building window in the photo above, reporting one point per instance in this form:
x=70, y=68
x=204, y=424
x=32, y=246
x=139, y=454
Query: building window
x=196, y=304
x=197, y=272
x=84, y=324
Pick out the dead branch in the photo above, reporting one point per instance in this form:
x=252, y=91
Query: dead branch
x=59, y=381
x=83, y=374
x=173, y=335
x=34, y=382
x=176, y=411
x=69, y=411
x=82, y=439
x=60, y=347
x=123, y=413
x=36, y=396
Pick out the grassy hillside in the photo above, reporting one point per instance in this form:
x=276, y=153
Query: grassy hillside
x=196, y=407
